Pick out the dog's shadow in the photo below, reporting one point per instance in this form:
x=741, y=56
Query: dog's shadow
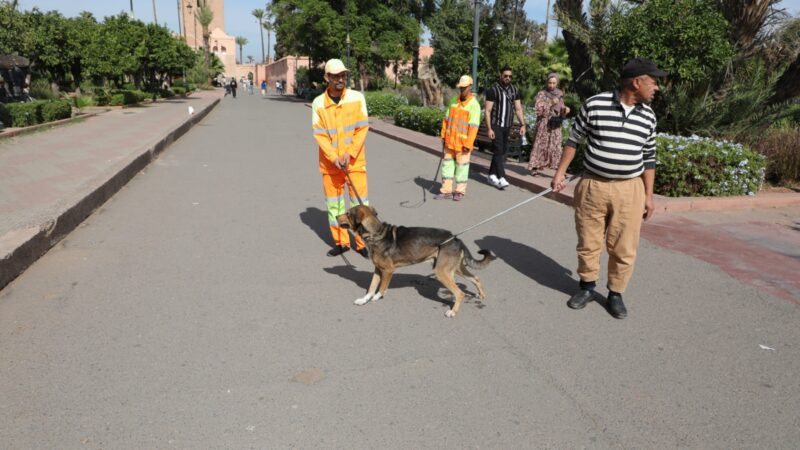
x=532, y=263
x=427, y=286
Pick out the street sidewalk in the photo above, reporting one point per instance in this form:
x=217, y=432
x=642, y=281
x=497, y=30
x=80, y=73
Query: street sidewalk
x=52, y=180
x=755, y=239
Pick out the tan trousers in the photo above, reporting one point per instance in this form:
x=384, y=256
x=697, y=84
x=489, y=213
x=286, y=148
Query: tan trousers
x=610, y=209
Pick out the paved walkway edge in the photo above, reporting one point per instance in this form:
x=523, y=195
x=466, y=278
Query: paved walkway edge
x=520, y=178
x=19, y=249
x=47, y=125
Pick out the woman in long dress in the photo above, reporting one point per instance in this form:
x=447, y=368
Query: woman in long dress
x=546, y=151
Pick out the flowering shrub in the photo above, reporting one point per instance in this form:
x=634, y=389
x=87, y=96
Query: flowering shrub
x=419, y=118
x=695, y=166
x=383, y=104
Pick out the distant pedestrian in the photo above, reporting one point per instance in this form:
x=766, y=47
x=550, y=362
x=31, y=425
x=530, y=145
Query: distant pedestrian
x=250, y=87
x=340, y=124
x=616, y=190
x=550, y=113
x=263, y=88
x=459, y=129
x=233, y=86
x=503, y=101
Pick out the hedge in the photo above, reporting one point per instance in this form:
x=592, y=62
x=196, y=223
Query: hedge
x=384, y=104
x=25, y=114
x=126, y=97
x=424, y=119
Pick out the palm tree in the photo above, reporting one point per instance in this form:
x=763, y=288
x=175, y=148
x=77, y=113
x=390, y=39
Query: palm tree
x=258, y=13
x=268, y=26
x=205, y=15
x=155, y=19
x=241, y=42
x=250, y=59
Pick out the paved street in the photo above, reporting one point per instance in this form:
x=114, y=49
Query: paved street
x=197, y=309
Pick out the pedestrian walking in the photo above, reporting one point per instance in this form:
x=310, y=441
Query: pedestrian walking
x=459, y=129
x=616, y=191
x=233, y=86
x=250, y=87
x=550, y=113
x=503, y=101
x=263, y=88
x=340, y=123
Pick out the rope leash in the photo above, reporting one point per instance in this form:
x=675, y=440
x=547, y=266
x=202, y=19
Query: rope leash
x=543, y=193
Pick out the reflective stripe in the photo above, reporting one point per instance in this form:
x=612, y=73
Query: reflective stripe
x=463, y=122
x=319, y=130
x=354, y=200
x=335, y=144
x=348, y=140
x=338, y=199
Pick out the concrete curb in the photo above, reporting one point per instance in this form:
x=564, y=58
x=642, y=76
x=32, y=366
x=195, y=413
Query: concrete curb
x=517, y=175
x=53, y=124
x=21, y=248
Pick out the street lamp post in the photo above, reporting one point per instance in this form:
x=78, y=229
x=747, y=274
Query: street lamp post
x=475, y=45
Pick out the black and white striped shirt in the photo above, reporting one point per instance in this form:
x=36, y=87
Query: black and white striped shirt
x=616, y=146
x=503, y=108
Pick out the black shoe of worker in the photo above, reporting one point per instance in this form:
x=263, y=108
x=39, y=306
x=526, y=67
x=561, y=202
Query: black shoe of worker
x=580, y=299
x=616, y=307
x=363, y=252
x=338, y=250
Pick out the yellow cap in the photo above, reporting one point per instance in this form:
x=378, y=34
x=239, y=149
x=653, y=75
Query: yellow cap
x=335, y=66
x=464, y=81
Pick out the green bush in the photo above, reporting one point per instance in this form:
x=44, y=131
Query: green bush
x=56, y=110
x=82, y=101
x=5, y=116
x=178, y=90
x=41, y=90
x=25, y=114
x=423, y=119
x=126, y=97
x=384, y=104
x=695, y=166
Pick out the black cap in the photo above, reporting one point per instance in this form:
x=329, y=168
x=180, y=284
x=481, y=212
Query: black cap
x=641, y=66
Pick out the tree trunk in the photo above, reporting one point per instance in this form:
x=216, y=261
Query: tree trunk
x=788, y=85
x=415, y=62
x=584, y=80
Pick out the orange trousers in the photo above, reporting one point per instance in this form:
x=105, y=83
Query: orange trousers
x=610, y=209
x=333, y=185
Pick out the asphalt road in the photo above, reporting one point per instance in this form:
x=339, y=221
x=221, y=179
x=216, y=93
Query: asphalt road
x=197, y=309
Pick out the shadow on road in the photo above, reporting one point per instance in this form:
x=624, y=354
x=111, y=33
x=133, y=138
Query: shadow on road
x=317, y=220
x=531, y=263
x=427, y=286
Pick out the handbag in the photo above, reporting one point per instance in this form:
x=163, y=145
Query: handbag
x=554, y=122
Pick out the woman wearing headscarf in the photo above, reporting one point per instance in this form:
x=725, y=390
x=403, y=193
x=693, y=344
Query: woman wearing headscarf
x=550, y=112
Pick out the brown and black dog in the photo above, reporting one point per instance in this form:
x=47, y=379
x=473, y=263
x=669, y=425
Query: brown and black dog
x=393, y=246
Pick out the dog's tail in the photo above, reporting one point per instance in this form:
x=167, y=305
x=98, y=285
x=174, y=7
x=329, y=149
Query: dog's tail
x=488, y=257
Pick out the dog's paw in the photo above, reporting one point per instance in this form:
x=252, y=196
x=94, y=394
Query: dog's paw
x=376, y=297
x=449, y=313
x=363, y=300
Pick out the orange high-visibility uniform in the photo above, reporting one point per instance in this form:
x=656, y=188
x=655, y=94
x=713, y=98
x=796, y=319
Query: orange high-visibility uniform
x=341, y=128
x=459, y=130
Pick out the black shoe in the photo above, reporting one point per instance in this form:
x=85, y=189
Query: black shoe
x=363, y=252
x=338, y=250
x=616, y=307
x=580, y=299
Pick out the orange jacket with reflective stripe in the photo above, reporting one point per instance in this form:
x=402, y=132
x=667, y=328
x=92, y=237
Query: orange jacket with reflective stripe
x=460, y=125
x=340, y=128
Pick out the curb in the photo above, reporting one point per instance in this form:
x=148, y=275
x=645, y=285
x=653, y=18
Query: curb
x=37, y=127
x=21, y=248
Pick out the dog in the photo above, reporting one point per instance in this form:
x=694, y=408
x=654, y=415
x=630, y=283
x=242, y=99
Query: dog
x=393, y=246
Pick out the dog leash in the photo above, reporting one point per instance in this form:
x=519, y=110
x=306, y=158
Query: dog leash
x=426, y=191
x=543, y=193
x=352, y=187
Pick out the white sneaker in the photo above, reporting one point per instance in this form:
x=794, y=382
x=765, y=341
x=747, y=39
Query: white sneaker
x=502, y=183
x=493, y=180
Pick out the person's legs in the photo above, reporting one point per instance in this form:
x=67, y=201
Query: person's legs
x=499, y=158
x=448, y=171
x=624, y=225
x=590, y=224
x=333, y=185
x=462, y=172
x=497, y=149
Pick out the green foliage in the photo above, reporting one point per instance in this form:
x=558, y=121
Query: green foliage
x=688, y=47
x=451, y=36
x=5, y=115
x=384, y=104
x=179, y=90
x=56, y=110
x=423, y=119
x=697, y=166
x=41, y=90
x=39, y=111
x=782, y=149
x=126, y=97
x=82, y=101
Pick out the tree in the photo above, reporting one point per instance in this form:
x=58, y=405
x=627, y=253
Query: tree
x=241, y=42
x=258, y=13
x=250, y=59
x=267, y=25
x=110, y=56
x=205, y=15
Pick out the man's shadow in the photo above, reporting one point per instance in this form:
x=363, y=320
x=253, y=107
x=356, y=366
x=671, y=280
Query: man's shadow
x=531, y=263
x=427, y=286
x=317, y=220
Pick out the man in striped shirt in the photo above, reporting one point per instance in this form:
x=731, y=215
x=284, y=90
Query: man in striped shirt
x=616, y=190
x=502, y=102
